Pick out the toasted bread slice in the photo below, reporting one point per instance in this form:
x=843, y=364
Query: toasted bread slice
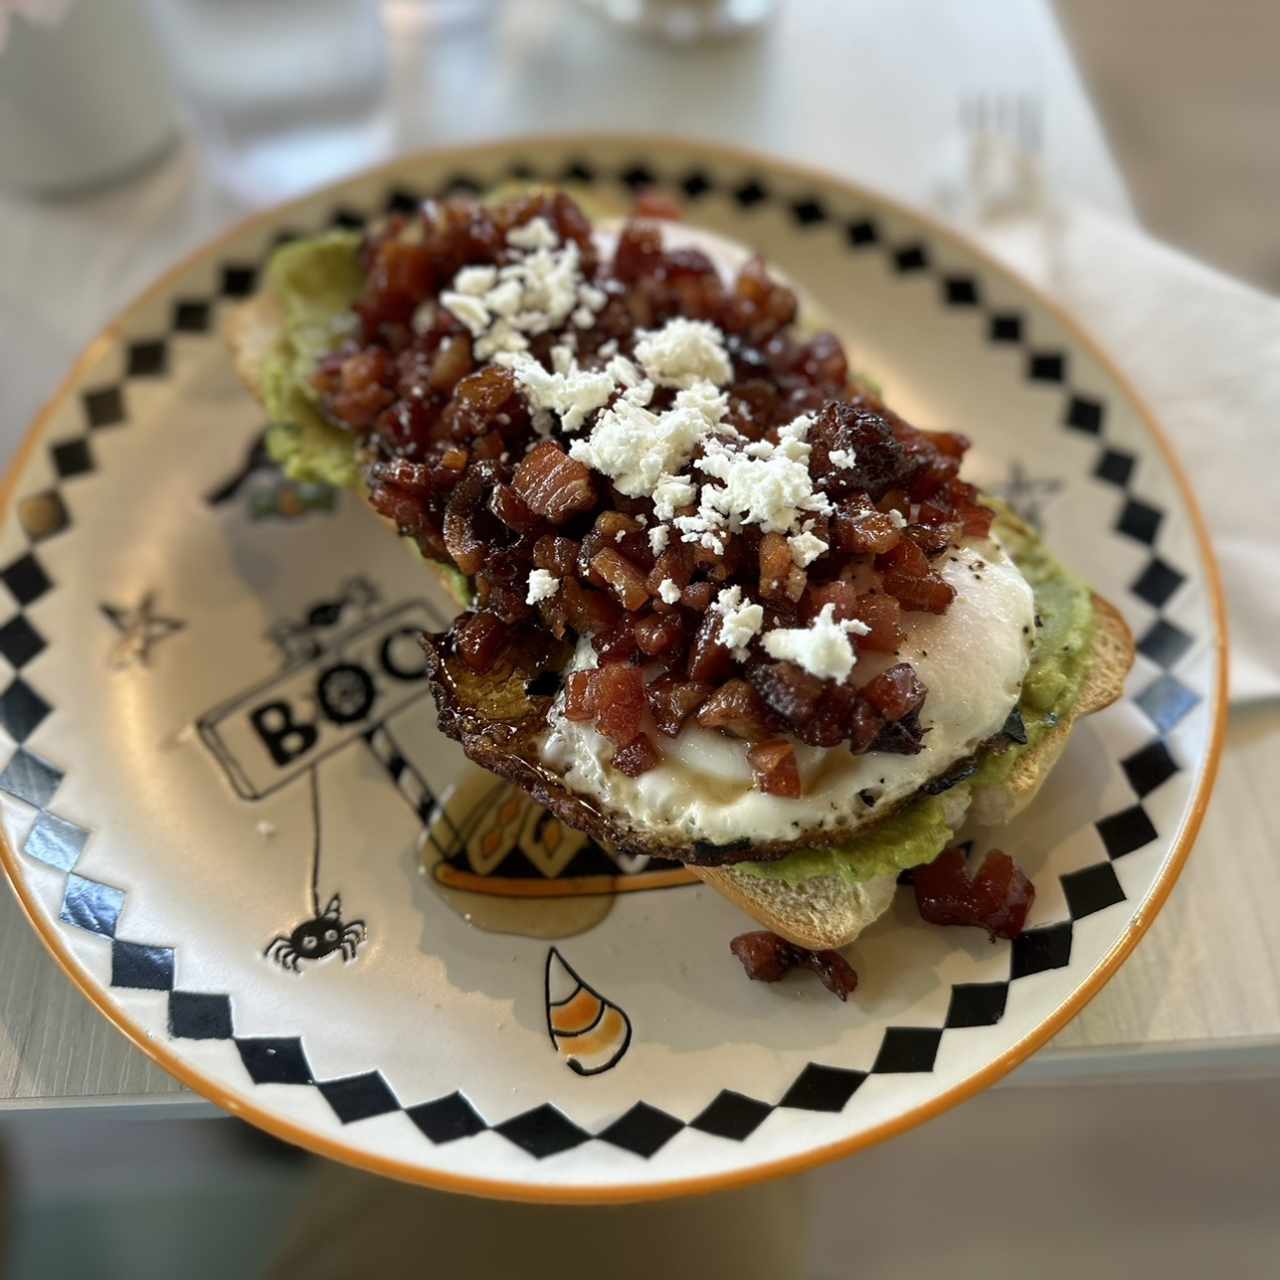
x=499, y=720
x=826, y=911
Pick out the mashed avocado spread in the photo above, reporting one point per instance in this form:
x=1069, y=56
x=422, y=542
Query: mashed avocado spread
x=316, y=281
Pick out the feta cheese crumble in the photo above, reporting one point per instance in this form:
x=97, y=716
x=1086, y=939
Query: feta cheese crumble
x=806, y=548
x=683, y=352
x=822, y=649
x=542, y=586
x=742, y=621
x=669, y=592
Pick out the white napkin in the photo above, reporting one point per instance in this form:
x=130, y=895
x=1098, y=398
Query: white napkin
x=1204, y=350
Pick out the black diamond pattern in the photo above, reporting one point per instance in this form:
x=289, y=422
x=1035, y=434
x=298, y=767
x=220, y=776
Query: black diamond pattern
x=638, y=177
x=72, y=458
x=1146, y=769
x=1091, y=890
x=141, y=967
x=26, y=579
x=819, y=1088
x=907, y=1049
x=1115, y=467
x=269, y=1060
x=544, y=1131
x=349, y=219
x=22, y=710
x=199, y=1015
x=578, y=171
x=1006, y=327
x=359, y=1097
x=238, y=279
x=751, y=193
x=960, y=291
x=463, y=184
x=644, y=1130
x=977, y=1004
x=191, y=315
x=20, y=641
x=861, y=233
x=1166, y=701
x=55, y=841
x=732, y=1115
x=402, y=200
x=695, y=185
x=1046, y=366
x=523, y=171
x=147, y=359
x=1164, y=643
x=1139, y=521
x=808, y=212
x=446, y=1119
x=1157, y=583
x=1126, y=831
x=103, y=407
x=1039, y=949
x=92, y=906
x=911, y=257
x=30, y=778
x=1084, y=414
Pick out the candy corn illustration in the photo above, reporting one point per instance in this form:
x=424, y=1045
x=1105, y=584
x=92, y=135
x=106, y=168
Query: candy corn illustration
x=589, y=1032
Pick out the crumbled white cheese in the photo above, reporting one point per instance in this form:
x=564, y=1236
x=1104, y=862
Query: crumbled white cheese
x=470, y=310
x=571, y=392
x=899, y=520
x=670, y=494
x=584, y=317
x=658, y=536
x=822, y=649
x=683, y=352
x=542, y=586
x=843, y=457
x=537, y=233
x=476, y=281
x=741, y=621
x=668, y=590
x=806, y=548
x=608, y=349
x=641, y=450
x=592, y=297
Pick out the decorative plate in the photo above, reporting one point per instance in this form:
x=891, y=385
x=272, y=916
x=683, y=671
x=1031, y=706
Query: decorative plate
x=229, y=814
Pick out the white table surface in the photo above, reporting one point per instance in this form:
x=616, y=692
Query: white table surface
x=871, y=90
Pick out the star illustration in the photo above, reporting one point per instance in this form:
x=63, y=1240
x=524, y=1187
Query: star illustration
x=140, y=629
x=1027, y=495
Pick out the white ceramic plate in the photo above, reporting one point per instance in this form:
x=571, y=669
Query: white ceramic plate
x=225, y=773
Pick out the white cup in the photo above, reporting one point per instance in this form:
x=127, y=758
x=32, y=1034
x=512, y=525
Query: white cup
x=84, y=101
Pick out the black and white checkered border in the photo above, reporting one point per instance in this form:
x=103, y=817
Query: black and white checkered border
x=545, y=1130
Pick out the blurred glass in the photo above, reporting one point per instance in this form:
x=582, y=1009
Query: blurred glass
x=84, y=100
x=684, y=21
x=285, y=94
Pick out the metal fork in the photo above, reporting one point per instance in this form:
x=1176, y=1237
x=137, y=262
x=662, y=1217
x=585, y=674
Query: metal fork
x=1005, y=135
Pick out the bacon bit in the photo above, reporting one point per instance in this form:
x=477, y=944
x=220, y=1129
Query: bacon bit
x=672, y=702
x=618, y=644
x=480, y=640
x=618, y=689
x=467, y=543
x=512, y=510
x=698, y=596
x=776, y=563
x=637, y=756
x=658, y=633
x=776, y=770
x=842, y=596
x=556, y=555
x=553, y=484
x=708, y=658
x=865, y=727
x=736, y=709
x=895, y=692
x=768, y=958
x=454, y=459
x=588, y=612
x=787, y=689
x=675, y=563
x=997, y=898
x=863, y=531
x=622, y=577
x=579, y=696
x=883, y=614
x=929, y=593
x=483, y=400
x=653, y=204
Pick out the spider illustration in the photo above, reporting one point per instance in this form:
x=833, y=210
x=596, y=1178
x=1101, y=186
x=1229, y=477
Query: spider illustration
x=316, y=938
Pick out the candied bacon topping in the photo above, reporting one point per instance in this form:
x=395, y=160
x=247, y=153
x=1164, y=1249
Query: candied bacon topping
x=996, y=898
x=776, y=769
x=456, y=462
x=765, y=957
